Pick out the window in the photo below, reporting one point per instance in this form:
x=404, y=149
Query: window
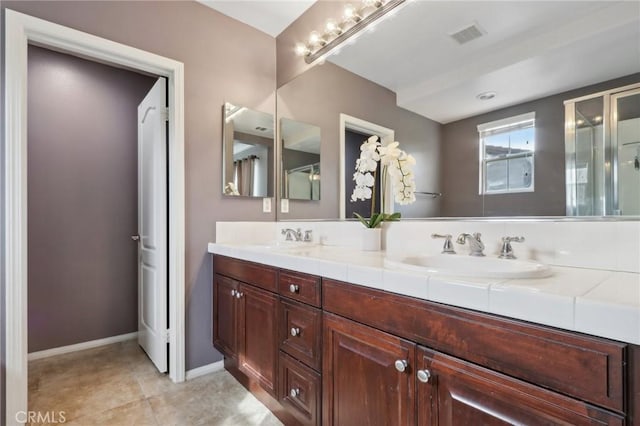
x=507, y=149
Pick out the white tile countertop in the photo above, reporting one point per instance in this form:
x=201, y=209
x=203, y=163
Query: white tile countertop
x=597, y=302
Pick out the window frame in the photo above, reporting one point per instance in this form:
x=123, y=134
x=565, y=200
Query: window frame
x=509, y=123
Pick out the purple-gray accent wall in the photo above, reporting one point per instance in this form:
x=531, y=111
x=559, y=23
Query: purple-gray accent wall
x=82, y=199
x=224, y=59
x=460, y=167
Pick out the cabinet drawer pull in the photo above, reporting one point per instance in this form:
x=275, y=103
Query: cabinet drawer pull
x=401, y=365
x=294, y=288
x=295, y=331
x=424, y=375
x=294, y=392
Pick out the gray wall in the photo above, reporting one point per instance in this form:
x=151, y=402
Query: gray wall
x=319, y=95
x=82, y=199
x=218, y=66
x=460, y=168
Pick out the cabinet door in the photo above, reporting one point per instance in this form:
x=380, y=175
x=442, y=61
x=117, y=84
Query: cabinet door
x=454, y=392
x=361, y=384
x=258, y=345
x=225, y=319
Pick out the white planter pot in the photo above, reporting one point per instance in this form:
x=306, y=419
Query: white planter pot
x=371, y=239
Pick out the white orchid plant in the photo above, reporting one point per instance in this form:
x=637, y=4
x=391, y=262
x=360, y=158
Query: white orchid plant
x=396, y=168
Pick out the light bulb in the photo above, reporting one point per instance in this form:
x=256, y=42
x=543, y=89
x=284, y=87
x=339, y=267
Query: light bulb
x=316, y=39
x=371, y=3
x=301, y=49
x=350, y=13
x=332, y=27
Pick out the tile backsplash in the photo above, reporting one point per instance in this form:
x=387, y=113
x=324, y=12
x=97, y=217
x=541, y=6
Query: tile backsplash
x=606, y=245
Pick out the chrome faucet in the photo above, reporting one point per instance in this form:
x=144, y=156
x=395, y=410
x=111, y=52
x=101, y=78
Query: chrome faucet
x=298, y=235
x=292, y=234
x=475, y=243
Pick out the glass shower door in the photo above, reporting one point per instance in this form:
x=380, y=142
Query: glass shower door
x=625, y=135
x=587, y=180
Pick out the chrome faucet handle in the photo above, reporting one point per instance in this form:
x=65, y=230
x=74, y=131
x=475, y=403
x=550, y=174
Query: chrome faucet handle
x=448, y=245
x=507, y=250
x=308, y=235
x=288, y=232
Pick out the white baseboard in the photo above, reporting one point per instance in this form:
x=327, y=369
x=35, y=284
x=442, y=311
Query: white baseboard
x=205, y=369
x=82, y=346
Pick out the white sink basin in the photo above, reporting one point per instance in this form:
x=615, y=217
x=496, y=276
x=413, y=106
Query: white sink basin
x=469, y=266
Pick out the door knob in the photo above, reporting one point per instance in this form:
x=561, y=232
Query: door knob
x=135, y=237
x=401, y=365
x=295, y=331
x=294, y=392
x=424, y=375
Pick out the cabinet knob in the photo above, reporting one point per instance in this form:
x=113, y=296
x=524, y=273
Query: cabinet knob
x=294, y=392
x=424, y=375
x=401, y=365
x=239, y=295
x=294, y=288
x=295, y=331
x=233, y=293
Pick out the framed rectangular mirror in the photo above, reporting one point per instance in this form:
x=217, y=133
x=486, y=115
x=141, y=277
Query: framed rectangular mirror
x=248, y=152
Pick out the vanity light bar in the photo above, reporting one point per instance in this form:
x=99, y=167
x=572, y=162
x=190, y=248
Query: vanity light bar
x=354, y=21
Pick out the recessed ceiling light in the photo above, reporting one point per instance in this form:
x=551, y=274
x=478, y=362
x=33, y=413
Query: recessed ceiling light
x=486, y=96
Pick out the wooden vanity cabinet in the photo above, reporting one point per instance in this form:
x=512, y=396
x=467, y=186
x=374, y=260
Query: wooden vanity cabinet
x=245, y=319
x=319, y=351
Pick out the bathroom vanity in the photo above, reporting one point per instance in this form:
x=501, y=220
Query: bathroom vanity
x=317, y=350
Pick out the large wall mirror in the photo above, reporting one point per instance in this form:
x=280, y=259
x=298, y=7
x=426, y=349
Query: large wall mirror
x=248, y=152
x=484, y=117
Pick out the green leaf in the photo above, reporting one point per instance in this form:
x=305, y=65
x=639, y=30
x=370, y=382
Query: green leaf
x=376, y=220
x=394, y=217
x=364, y=221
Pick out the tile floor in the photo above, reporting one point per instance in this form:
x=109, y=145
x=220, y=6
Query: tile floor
x=118, y=385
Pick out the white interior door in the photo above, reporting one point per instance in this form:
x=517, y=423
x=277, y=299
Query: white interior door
x=152, y=225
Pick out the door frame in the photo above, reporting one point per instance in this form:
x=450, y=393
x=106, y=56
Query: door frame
x=20, y=31
x=386, y=136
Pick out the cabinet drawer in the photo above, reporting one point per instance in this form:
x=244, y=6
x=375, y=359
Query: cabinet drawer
x=301, y=332
x=299, y=390
x=302, y=287
x=587, y=368
x=453, y=391
x=248, y=272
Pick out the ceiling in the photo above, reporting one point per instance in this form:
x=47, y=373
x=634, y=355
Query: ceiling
x=269, y=16
x=531, y=49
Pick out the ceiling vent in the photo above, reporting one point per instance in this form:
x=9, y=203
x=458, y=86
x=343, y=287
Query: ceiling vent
x=470, y=32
